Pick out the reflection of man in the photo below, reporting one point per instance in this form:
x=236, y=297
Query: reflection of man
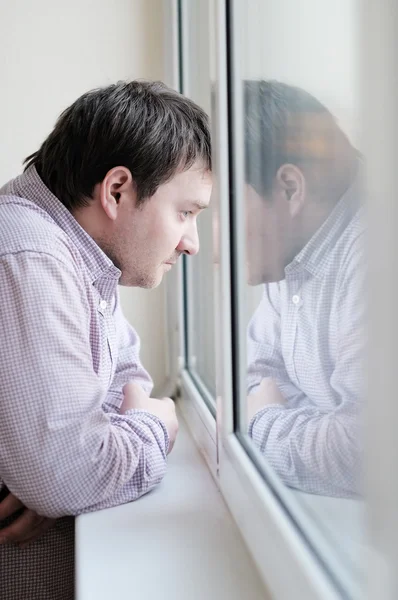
x=305, y=341
x=111, y=197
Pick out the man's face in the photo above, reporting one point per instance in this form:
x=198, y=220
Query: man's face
x=147, y=240
x=268, y=236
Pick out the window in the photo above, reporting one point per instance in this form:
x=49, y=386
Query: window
x=196, y=83
x=281, y=291
x=297, y=203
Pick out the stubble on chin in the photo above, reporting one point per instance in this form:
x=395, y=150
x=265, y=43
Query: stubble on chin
x=140, y=280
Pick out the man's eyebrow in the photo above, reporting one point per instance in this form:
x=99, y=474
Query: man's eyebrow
x=199, y=205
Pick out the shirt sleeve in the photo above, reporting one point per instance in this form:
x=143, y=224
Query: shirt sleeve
x=314, y=451
x=129, y=367
x=60, y=452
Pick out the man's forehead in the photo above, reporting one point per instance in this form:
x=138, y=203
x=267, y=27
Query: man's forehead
x=198, y=181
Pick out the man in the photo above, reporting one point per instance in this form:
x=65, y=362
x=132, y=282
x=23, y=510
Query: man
x=305, y=244
x=111, y=197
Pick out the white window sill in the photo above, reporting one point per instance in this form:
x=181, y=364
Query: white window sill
x=178, y=542
x=333, y=525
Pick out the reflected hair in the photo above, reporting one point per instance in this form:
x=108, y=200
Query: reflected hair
x=287, y=125
x=150, y=129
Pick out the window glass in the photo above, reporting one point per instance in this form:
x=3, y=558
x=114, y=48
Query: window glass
x=298, y=261
x=196, y=77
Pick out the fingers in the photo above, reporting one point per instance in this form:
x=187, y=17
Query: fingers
x=171, y=445
x=266, y=384
x=9, y=506
x=21, y=527
x=44, y=526
x=131, y=387
x=266, y=394
x=173, y=426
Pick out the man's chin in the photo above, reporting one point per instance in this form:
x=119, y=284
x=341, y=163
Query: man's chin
x=143, y=281
x=254, y=279
x=152, y=283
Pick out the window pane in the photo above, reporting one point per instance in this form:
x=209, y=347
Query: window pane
x=200, y=286
x=300, y=269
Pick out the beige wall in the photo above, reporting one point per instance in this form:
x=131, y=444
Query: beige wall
x=51, y=52
x=312, y=44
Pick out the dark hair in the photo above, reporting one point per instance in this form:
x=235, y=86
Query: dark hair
x=144, y=126
x=285, y=124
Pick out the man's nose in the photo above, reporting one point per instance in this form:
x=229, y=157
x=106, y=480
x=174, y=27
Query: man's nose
x=189, y=243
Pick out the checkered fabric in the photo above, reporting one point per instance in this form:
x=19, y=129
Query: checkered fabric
x=308, y=335
x=42, y=571
x=66, y=352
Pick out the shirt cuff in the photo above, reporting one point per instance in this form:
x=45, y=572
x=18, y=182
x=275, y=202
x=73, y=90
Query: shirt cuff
x=139, y=412
x=262, y=412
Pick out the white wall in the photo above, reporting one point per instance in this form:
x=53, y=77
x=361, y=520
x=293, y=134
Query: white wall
x=53, y=51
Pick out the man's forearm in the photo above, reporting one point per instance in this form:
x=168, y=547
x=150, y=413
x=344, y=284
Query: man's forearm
x=310, y=450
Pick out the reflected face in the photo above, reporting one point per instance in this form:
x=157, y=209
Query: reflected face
x=148, y=239
x=268, y=236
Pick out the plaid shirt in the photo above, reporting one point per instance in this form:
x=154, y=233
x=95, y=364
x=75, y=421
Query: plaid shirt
x=307, y=334
x=66, y=352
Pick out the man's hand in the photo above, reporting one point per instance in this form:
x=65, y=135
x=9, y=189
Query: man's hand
x=266, y=394
x=26, y=528
x=164, y=409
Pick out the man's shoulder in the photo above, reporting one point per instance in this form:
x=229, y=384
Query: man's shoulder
x=25, y=227
x=352, y=244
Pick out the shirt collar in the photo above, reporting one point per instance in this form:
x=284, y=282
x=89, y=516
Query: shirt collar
x=318, y=252
x=30, y=186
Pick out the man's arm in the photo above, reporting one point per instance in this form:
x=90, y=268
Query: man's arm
x=129, y=368
x=60, y=453
x=312, y=450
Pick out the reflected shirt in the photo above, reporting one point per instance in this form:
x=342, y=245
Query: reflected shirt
x=307, y=334
x=66, y=352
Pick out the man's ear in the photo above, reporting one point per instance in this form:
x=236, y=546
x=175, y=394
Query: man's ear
x=291, y=181
x=116, y=187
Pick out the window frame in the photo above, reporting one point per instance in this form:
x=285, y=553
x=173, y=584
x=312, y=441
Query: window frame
x=191, y=392
x=254, y=504
x=251, y=500
x=379, y=71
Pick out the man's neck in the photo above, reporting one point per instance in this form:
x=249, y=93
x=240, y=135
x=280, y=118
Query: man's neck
x=320, y=206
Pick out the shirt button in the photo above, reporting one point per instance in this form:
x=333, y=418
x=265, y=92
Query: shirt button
x=296, y=299
x=103, y=304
